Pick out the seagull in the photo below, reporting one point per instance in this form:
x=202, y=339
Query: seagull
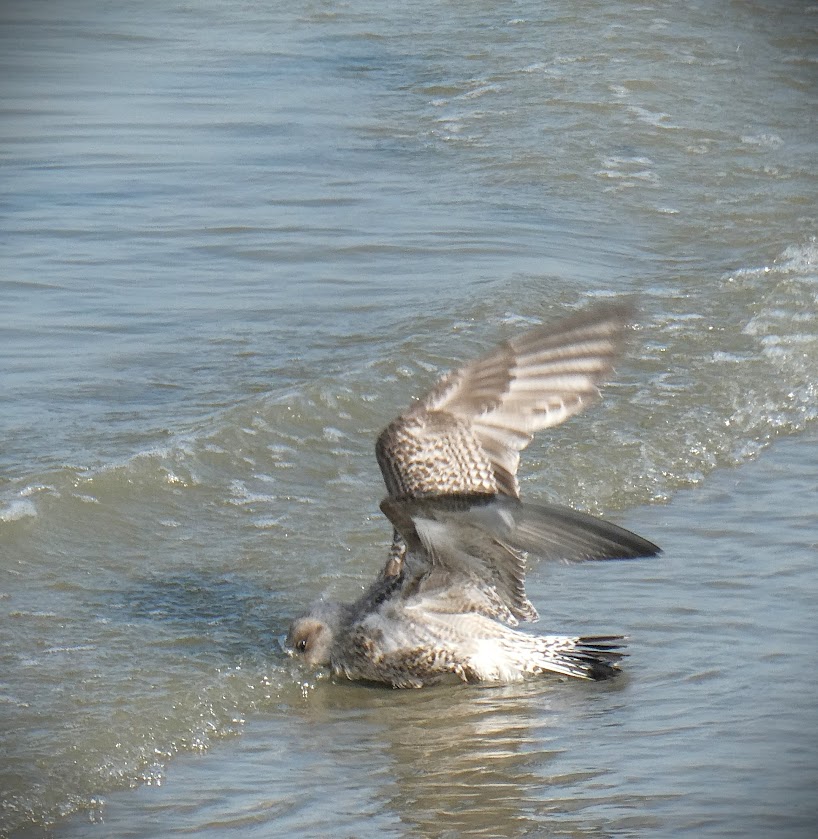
x=446, y=604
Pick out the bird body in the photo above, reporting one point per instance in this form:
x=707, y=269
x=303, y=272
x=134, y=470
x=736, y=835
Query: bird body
x=416, y=645
x=449, y=599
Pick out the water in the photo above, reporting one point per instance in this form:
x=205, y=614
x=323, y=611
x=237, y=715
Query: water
x=237, y=239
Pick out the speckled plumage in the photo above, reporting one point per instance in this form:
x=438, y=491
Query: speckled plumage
x=453, y=589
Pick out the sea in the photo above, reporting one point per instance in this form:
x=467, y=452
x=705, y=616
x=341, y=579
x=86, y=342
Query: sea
x=238, y=238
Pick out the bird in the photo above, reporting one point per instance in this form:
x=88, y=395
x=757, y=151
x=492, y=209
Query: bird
x=447, y=603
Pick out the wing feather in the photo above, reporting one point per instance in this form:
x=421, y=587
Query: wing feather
x=495, y=404
x=532, y=382
x=476, y=546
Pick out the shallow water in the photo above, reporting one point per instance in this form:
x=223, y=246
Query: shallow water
x=236, y=241
x=712, y=731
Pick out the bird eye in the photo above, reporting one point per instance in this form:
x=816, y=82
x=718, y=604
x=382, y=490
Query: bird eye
x=301, y=646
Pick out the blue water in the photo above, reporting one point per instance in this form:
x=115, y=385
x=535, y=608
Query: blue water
x=237, y=239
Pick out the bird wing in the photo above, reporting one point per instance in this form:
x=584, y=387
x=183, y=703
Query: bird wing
x=472, y=550
x=531, y=382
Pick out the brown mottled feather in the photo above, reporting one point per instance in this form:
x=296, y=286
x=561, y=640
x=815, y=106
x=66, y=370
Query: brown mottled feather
x=467, y=434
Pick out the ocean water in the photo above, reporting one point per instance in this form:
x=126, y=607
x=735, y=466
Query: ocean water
x=237, y=239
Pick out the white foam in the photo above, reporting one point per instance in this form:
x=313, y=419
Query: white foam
x=18, y=508
x=762, y=141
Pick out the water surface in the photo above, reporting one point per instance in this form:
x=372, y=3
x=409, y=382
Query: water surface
x=237, y=240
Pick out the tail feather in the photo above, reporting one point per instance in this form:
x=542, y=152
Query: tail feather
x=592, y=657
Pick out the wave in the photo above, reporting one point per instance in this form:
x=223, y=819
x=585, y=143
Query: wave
x=198, y=552
x=710, y=379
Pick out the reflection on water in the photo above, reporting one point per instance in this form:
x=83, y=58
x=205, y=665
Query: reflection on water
x=477, y=761
x=483, y=761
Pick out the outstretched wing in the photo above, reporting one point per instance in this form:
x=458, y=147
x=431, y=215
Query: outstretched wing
x=471, y=550
x=467, y=434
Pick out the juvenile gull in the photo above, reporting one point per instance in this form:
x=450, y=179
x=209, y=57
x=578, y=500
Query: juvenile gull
x=453, y=589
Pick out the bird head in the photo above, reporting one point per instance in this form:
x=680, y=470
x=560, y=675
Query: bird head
x=311, y=636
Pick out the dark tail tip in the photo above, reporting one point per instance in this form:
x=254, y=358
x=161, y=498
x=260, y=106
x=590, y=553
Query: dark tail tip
x=601, y=671
x=601, y=655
